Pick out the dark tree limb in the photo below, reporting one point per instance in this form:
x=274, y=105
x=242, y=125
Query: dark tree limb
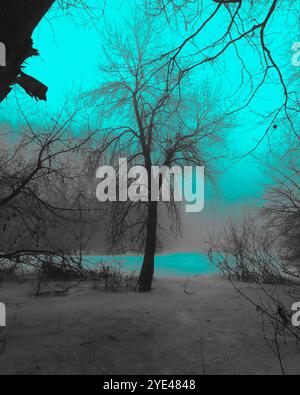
x=18, y=20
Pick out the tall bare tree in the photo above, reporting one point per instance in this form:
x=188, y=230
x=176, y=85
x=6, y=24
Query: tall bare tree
x=153, y=122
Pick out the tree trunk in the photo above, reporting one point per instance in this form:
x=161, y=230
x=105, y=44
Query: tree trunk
x=18, y=20
x=146, y=277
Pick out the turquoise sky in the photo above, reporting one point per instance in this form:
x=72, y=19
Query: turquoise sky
x=70, y=53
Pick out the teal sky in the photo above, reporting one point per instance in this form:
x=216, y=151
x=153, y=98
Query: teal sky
x=70, y=53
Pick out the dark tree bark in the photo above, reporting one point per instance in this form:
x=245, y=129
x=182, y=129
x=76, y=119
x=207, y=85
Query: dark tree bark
x=147, y=272
x=18, y=20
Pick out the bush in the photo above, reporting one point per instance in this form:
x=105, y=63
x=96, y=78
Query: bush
x=245, y=252
x=251, y=253
x=112, y=279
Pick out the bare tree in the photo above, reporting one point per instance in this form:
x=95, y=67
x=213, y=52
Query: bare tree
x=282, y=207
x=38, y=179
x=162, y=125
x=84, y=217
x=238, y=28
x=264, y=250
x=249, y=251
